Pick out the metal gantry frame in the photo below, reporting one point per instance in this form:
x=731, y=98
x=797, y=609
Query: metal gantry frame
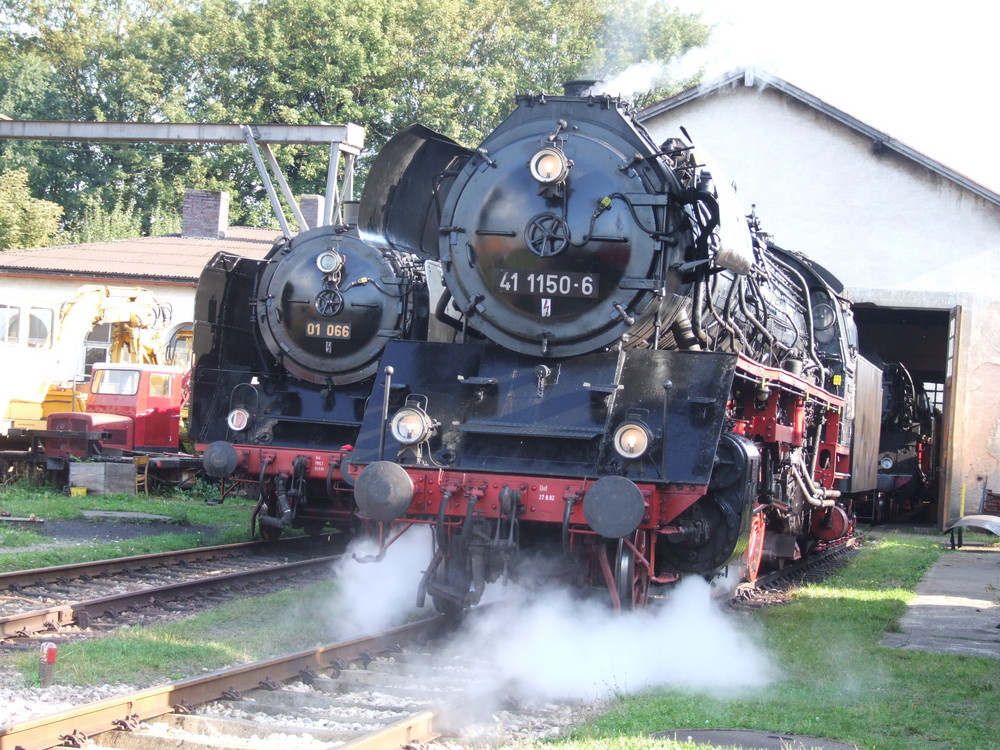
x=345, y=143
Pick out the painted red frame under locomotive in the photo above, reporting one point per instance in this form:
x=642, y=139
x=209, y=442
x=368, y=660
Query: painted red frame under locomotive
x=778, y=421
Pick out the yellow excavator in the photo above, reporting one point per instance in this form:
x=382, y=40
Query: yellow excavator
x=43, y=344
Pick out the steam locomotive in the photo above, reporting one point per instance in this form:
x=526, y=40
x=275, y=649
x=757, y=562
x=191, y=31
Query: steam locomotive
x=286, y=350
x=907, y=460
x=633, y=379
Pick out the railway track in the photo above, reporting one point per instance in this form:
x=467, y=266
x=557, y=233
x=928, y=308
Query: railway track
x=389, y=690
x=109, y=593
x=814, y=567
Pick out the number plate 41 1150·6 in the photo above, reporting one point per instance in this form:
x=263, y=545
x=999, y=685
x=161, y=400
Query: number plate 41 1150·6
x=548, y=284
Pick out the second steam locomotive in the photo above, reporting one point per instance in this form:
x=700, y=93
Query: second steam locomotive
x=635, y=380
x=286, y=350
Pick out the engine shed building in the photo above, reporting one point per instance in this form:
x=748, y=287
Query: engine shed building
x=916, y=244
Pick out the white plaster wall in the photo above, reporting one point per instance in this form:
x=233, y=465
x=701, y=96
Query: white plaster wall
x=894, y=232
x=57, y=291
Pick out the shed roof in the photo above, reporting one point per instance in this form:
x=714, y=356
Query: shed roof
x=169, y=259
x=756, y=78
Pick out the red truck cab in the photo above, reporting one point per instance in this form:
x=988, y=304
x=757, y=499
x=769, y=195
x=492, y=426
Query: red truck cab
x=131, y=407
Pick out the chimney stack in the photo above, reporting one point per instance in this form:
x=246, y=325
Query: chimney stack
x=312, y=207
x=205, y=214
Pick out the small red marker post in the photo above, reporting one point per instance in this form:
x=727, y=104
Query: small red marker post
x=47, y=663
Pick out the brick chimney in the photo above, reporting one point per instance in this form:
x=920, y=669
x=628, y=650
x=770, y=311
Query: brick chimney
x=205, y=214
x=311, y=207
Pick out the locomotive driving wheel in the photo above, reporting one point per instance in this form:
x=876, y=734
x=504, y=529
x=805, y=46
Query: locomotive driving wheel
x=631, y=571
x=755, y=548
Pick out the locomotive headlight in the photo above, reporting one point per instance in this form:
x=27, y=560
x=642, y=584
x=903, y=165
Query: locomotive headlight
x=632, y=439
x=549, y=166
x=886, y=463
x=824, y=319
x=411, y=425
x=238, y=420
x=329, y=262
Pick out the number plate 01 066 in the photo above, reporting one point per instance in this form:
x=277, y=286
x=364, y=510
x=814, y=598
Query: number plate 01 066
x=328, y=330
x=548, y=284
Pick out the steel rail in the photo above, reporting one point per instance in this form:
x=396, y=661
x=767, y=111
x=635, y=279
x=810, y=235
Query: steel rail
x=81, y=613
x=799, y=566
x=112, y=713
x=13, y=579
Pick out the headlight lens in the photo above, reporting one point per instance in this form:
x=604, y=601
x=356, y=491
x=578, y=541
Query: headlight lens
x=632, y=440
x=886, y=463
x=329, y=262
x=411, y=425
x=238, y=420
x=549, y=166
x=824, y=318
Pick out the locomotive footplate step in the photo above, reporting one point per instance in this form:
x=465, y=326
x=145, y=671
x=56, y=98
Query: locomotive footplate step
x=748, y=739
x=955, y=610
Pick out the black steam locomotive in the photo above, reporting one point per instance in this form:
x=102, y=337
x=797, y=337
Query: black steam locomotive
x=907, y=460
x=286, y=351
x=632, y=378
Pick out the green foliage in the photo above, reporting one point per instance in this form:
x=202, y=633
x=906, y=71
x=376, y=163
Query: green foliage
x=24, y=221
x=454, y=65
x=99, y=223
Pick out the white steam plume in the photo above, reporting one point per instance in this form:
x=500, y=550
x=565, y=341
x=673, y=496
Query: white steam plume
x=375, y=595
x=559, y=647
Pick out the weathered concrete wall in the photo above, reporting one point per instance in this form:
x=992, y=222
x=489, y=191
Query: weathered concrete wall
x=895, y=232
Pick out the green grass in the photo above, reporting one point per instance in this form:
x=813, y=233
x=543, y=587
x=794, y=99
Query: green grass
x=241, y=631
x=836, y=680
x=14, y=537
x=231, y=522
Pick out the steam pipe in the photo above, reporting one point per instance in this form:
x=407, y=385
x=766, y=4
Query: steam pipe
x=742, y=300
x=817, y=496
x=385, y=412
x=439, y=312
x=696, y=313
x=285, y=518
x=809, y=316
x=442, y=536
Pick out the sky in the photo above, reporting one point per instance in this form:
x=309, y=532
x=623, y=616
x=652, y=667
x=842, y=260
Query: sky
x=924, y=73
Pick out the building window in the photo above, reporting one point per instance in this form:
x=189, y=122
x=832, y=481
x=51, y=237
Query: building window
x=179, y=348
x=10, y=323
x=935, y=394
x=40, y=328
x=97, y=347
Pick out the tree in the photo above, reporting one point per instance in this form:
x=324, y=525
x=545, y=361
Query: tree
x=453, y=65
x=25, y=221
